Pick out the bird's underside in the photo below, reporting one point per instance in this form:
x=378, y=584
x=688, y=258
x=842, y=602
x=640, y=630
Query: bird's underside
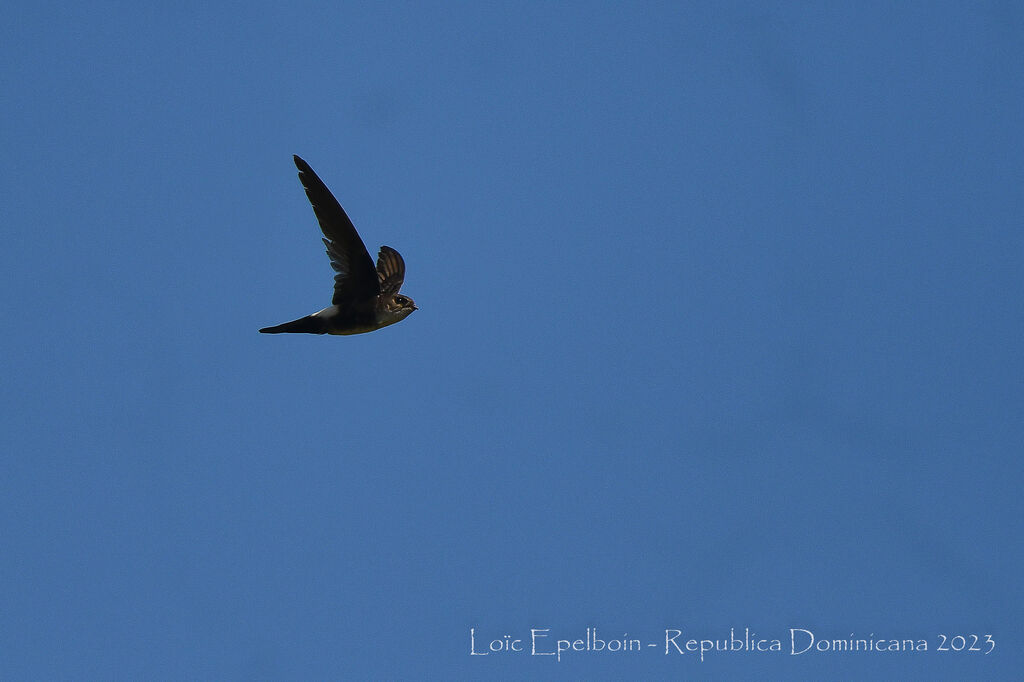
x=365, y=298
x=324, y=322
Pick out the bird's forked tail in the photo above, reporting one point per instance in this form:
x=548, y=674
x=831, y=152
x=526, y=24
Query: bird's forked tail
x=311, y=324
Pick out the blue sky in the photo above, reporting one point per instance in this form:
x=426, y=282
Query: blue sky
x=720, y=328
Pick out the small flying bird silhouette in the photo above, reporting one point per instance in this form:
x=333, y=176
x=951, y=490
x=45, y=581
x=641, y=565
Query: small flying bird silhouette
x=365, y=299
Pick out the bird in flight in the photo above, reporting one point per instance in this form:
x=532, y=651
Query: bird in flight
x=365, y=299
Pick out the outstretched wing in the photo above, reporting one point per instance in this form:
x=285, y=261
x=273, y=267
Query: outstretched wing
x=390, y=270
x=355, y=281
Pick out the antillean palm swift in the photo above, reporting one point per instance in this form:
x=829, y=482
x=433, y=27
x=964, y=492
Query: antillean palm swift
x=365, y=298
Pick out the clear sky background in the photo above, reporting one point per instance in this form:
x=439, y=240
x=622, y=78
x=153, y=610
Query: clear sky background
x=720, y=327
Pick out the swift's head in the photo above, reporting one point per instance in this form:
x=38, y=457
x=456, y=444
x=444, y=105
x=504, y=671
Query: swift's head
x=397, y=308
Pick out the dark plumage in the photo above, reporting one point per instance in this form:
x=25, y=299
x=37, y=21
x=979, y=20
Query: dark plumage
x=365, y=298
